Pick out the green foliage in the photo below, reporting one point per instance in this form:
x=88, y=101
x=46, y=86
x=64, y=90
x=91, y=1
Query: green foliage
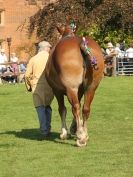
x=103, y=36
x=107, y=20
x=108, y=153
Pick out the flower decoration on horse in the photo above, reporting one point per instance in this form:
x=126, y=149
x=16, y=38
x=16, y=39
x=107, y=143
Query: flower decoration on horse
x=84, y=46
x=73, y=26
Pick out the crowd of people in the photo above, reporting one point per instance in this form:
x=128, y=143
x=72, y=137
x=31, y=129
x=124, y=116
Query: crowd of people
x=9, y=70
x=114, y=55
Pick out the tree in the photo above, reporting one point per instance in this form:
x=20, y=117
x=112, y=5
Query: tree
x=104, y=15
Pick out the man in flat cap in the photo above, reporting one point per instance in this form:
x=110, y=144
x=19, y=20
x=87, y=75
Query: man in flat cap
x=36, y=82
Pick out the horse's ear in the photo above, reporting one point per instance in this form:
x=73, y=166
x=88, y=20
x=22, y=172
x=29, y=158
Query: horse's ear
x=68, y=18
x=70, y=21
x=60, y=29
x=76, y=27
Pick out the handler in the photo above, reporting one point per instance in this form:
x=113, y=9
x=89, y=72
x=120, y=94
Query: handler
x=36, y=82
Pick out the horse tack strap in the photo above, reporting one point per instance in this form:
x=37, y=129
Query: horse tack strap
x=87, y=51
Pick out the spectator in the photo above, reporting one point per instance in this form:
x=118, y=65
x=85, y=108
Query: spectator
x=129, y=56
x=8, y=75
x=122, y=45
x=110, y=62
x=14, y=61
x=119, y=53
x=22, y=67
x=42, y=93
x=129, y=52
x=14, y=65
x=3, y=60
x=110, y=51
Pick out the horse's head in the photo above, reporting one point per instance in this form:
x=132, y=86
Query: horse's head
x=68, y=29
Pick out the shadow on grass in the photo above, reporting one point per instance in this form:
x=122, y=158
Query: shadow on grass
x=34, y=134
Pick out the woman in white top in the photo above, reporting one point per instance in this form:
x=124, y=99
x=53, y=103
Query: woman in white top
x=3, y=59
x=129, y=52
x=14, y=64
x=120, y=53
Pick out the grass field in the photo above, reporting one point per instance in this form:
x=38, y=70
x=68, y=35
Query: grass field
x=109, y=152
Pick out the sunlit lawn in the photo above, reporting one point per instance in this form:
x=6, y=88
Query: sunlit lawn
x=109, y=152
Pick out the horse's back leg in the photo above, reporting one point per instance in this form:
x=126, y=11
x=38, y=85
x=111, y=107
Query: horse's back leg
x=73, y=127
x=62, y=111
x=88, y=97
x=72, y=94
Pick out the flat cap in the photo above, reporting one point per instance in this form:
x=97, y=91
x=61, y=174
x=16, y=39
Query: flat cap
x=44, y=44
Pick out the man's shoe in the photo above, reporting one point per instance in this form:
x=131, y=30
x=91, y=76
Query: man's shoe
x=44, y=136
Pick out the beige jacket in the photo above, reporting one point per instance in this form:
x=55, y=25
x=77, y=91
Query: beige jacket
x=36, y=82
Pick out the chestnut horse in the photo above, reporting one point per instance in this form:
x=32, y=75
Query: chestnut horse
x=69, y=72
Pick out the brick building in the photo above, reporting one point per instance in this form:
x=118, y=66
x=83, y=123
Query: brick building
x=14, y=14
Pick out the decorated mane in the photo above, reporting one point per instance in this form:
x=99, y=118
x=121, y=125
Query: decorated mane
x=68, y=29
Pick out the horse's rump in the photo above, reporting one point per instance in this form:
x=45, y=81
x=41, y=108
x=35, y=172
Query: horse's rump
x=68, y=62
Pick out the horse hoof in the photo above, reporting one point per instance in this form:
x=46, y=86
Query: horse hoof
x=63, y=134
x=63, y=137
x=87, y=138
x=81, y=143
